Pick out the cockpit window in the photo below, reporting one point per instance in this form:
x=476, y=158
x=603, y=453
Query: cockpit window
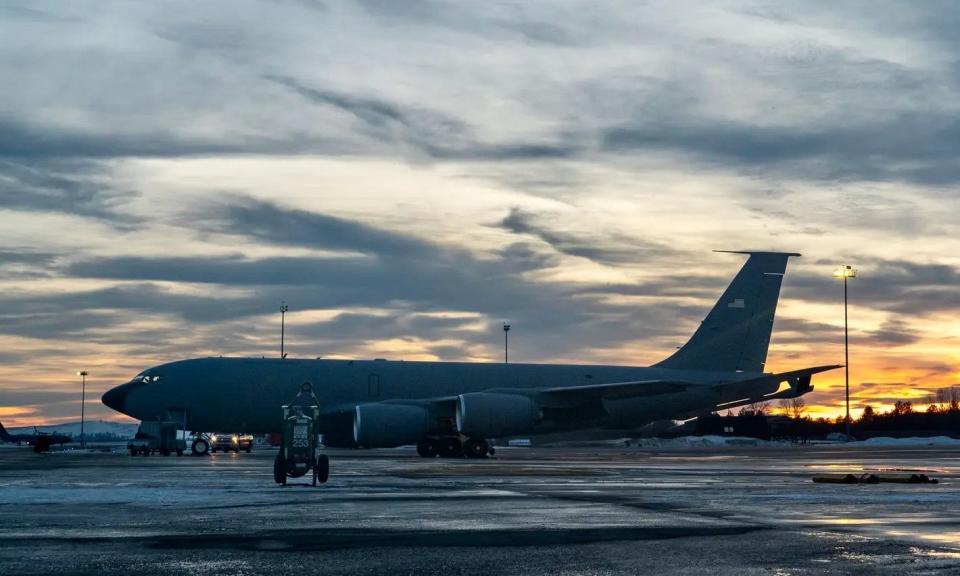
x=147, y=378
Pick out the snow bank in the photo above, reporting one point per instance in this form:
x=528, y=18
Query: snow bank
x=731, y=441
x=90, y=427
x=912, y=441
x=697, y=442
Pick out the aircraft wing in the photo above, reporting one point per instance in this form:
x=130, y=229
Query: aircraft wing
x=799, y=381
x=610, y=391
x=587, y=397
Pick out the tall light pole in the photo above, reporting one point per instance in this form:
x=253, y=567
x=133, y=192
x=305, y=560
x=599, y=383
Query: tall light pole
x=846, y=272
x=506, y=343
x=283, y=318
x=83, y=402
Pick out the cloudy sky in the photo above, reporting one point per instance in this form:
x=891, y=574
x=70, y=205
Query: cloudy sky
x=408, y=175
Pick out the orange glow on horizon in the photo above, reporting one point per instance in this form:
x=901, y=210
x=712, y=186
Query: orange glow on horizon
x=12, y=412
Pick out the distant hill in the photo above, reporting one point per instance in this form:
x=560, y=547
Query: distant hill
x=119, y=430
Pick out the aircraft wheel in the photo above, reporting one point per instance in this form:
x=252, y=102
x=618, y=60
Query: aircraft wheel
x=145, y=452
x=133, y=451
x=322, y=470
x=165, y=452
x=476, y=448
x=200, y=447
x=179, y=452
x=427, y=448
x=450, y=447
x=279, y=471
x=249, y=449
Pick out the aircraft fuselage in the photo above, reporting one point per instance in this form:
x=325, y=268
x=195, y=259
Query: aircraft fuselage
x=245, y=394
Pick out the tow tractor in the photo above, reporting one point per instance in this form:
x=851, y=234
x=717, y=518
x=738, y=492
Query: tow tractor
x=299, y=448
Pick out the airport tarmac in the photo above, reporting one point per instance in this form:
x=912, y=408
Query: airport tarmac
x=745, y=510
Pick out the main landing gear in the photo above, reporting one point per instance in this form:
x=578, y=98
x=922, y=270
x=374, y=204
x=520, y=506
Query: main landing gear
x=454, y=447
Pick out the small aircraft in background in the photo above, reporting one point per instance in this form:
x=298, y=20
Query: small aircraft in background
x=41, y=441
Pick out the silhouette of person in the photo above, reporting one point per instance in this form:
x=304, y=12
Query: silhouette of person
x=306, y=397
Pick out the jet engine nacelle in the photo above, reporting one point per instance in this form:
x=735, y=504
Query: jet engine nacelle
x=384, y=425
x=493, y=415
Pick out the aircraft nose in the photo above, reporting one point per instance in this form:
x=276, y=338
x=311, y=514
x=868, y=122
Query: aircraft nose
x=116, y=398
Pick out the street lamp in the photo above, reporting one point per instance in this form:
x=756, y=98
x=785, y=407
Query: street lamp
x=83, y=402
x=846, y=272
x=506, y=342
x=283, y=315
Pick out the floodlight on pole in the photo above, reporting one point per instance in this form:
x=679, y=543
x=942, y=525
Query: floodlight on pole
x=283, y=317
x=83, y=402
x=846, y=272
x=506, y=343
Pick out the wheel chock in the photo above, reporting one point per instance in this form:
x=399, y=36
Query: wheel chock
x=874, y=479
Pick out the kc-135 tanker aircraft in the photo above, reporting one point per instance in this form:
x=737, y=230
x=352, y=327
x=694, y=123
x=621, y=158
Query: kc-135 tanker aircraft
x=454, y=408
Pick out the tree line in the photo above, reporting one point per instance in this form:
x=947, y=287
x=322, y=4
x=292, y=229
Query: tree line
x=940, y=417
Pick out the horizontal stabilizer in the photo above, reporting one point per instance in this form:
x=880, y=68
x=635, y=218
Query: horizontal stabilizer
x=799, y=381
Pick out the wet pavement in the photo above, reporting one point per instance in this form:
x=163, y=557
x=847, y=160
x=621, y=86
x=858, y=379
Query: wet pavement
x=747, y=510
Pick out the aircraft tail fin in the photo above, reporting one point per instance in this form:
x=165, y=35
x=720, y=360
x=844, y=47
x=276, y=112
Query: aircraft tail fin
x=4, y=435
x=735, y=335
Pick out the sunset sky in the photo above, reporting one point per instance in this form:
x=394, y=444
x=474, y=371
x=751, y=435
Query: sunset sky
x=409, y=175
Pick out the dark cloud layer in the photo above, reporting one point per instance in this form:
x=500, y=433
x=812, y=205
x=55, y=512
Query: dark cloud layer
x=419, y=133
x=68, y=187
x=857, y=134
x=501, y=22
x=894, y=332
x=26, y=256
x=23, y=141
x=916, y=147
x=266, y=222
x=614, y=249
x=898, y=286
x=405, y=275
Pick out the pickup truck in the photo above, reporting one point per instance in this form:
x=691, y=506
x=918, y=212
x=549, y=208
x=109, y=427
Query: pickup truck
x=227, y=442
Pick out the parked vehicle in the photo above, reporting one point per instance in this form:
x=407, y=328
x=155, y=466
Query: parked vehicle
x=225, y=442
x=156, y=437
